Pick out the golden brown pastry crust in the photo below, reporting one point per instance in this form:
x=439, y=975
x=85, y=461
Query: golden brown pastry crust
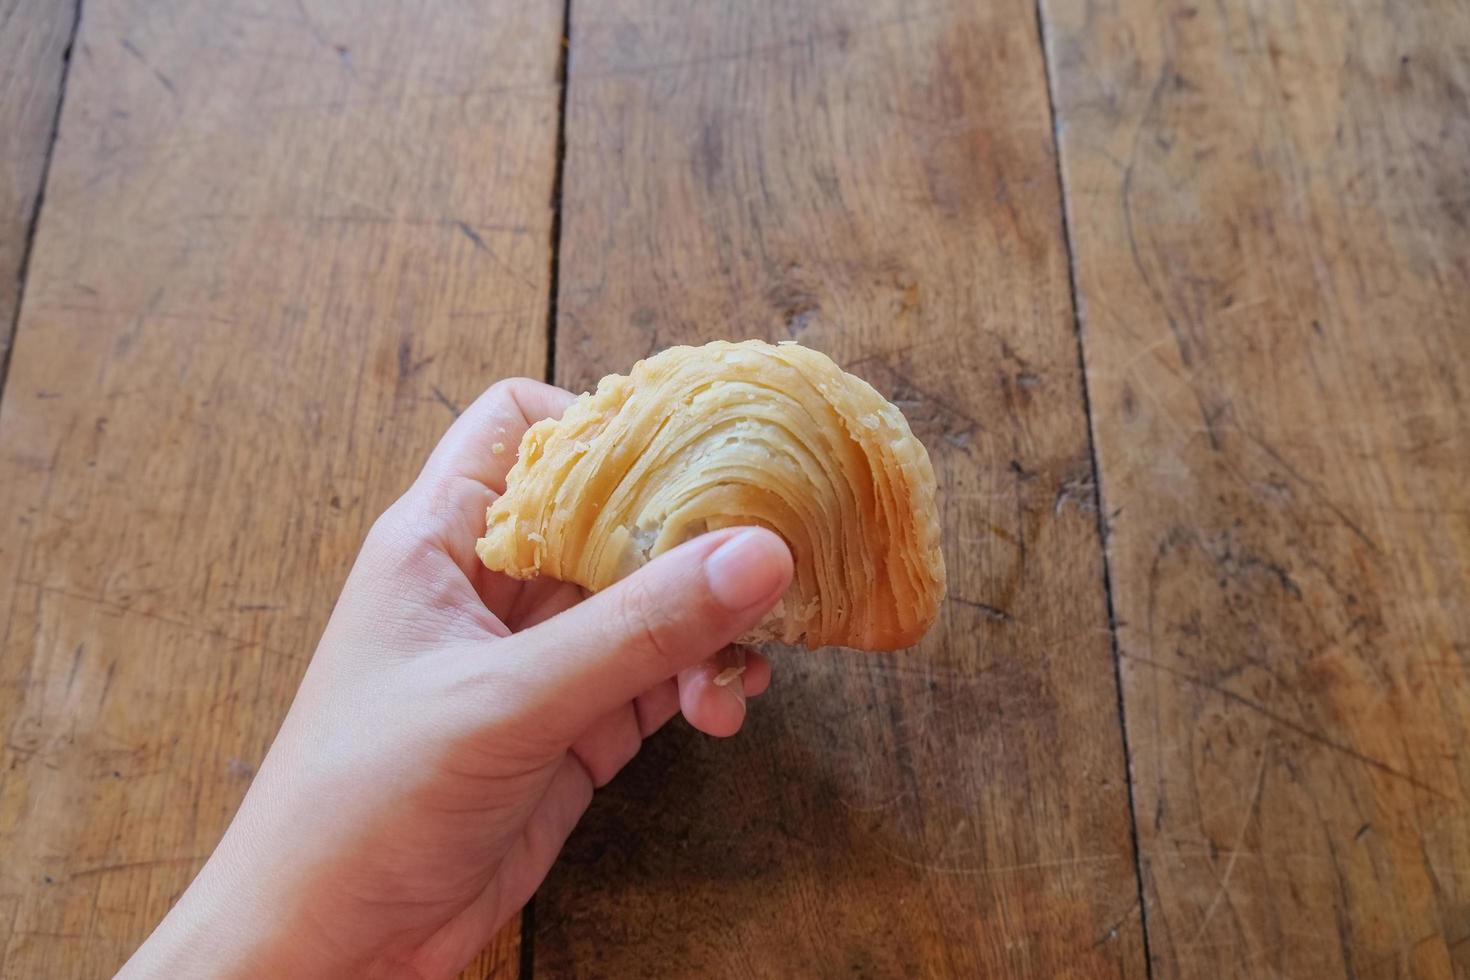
x=699, y=438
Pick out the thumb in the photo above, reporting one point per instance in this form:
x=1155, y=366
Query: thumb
x=679, y=609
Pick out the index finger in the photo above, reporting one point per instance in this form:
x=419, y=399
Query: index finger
x=481, y=444
x=466, y=471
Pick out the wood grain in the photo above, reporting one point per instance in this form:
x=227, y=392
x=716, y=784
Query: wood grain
x=1272, y=238
x=281, y=243
x=33, y=41
x=877, y=181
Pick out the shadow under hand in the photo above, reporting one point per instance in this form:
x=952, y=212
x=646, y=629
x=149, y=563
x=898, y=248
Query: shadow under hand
x=854, y=786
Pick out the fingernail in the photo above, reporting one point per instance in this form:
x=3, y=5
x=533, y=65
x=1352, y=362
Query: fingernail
x=732, y=659
x=745, y=570
x=730, y=681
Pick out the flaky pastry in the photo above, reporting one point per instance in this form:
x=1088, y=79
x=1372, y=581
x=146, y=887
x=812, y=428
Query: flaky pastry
x=695, y=439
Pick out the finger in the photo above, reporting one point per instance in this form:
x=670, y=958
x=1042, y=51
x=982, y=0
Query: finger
x=481, y=444
x=757, y=676
x=656, y=706
x=613, y=741
x=707, y=703
x=609, y=744
x=677, y=610
x=712, y=694
x=467, y=469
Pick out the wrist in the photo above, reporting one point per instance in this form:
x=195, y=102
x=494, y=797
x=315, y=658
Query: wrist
x=236, y=919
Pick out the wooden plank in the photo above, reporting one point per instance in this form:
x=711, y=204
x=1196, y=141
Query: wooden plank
x=877, y=181
x=33, y=42
x=501, y=960
x=1273, y=257
x=282, y=242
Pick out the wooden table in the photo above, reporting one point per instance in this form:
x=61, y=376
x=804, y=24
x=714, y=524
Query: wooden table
x=1177, y=294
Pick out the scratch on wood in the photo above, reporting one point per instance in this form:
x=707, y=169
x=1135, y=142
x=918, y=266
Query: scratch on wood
x=407, y=366
x=1315, y=488
x=1182, y=342
x=480, y=244
x=107, y=681
x=472, y=235
x=986, y=871
x=995, y=613
x=1111, y=932
x=76, y=661
x=1290, y=725
x=1081, y=491
x=163, y=79
x=158, y=617
x=1250, y=814
x=131, y=865
x=444, y=400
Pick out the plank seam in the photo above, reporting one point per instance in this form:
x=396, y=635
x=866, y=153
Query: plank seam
x=563, y=66
x=1097, y=484
x=527, y=967
x=23, y=273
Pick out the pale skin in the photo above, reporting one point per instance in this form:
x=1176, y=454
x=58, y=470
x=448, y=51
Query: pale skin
x=452, y=728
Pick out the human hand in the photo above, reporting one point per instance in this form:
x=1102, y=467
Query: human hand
x=450, y=730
